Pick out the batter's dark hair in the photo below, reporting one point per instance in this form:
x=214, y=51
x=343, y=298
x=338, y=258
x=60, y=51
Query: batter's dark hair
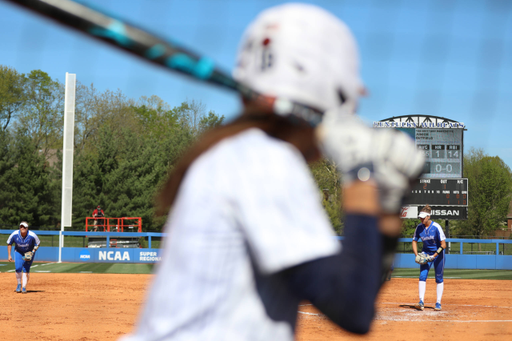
x=295, y=131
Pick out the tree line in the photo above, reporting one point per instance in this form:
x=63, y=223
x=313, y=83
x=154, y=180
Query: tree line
x=124, y=149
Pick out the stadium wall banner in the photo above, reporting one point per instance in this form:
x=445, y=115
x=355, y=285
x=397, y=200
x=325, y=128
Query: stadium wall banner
x=93, y=255
x=438, y=212
x=110, y=255
x=409, y=212
x=454, y=260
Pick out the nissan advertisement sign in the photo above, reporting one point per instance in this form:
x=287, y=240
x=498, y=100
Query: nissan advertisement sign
x=438, y=212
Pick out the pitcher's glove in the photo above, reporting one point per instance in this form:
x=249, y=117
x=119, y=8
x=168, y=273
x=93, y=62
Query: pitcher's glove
x=422, y=258
x=28, y=256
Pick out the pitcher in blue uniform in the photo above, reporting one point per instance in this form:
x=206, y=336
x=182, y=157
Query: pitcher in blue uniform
x=434, y=244
x=24, y=241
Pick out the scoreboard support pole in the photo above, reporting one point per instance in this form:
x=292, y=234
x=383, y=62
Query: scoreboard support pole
x=447, y=227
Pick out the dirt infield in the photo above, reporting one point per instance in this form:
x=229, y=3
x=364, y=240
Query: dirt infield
x=90, y=307
x=472, y=310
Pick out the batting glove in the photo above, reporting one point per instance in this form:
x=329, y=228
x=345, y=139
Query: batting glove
x=388, y=156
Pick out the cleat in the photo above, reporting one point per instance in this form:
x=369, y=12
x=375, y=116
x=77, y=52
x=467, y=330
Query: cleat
x=438, y=307
x=420, y=305
x=18, y=288
x=23, y=291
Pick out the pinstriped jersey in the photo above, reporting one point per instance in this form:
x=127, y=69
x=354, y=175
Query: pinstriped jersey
x=431, y=236
x=246, y=209
x=23, y=245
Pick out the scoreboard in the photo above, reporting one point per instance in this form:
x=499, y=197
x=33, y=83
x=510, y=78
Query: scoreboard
x=443, y=151
x=441, y=185
x=440, y=192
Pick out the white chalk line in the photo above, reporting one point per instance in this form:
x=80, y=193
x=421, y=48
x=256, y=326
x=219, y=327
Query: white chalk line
x=428, y=278
x=420, y=313
x=410, y=320
x=456, y=305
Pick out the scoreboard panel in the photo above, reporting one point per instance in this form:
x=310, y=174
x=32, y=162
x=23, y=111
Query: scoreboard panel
x=445, y=192
x=443, y=151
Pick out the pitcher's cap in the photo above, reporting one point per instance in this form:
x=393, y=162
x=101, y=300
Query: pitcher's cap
x=423, y=215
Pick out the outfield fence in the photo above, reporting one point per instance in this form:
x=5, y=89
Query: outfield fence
x=495, y=254
x=81, y=246
x=492, y=254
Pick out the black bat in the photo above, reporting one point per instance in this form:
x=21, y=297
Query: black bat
x=151, y=48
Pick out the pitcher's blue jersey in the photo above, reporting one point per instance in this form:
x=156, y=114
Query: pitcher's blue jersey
x=431, y=236
x=23, y=245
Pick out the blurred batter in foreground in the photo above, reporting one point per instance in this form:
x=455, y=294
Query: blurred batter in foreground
x=248, y=238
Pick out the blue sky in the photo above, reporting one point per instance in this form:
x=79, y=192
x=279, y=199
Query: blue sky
x=443, y=58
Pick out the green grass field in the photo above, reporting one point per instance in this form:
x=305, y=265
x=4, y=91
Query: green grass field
x=98, y=268
x=456, y=274
x=118, y=268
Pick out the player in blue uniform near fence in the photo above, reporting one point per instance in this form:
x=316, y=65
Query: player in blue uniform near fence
x=26, y=244
x=434, y=244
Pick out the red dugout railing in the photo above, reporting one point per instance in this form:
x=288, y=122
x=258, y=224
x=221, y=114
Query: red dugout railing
x=105, y=224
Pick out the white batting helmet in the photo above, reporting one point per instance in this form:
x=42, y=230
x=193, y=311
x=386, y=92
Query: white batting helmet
x=302, y=53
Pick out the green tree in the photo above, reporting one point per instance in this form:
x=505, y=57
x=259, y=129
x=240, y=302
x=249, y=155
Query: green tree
x=86, y=180
x=409, y=226
x=91, y=171
x=209, y=121
x=12, y=95
x=42, y=114
x=329, y=184
x=193, y=115
x=489, y=189
x=155, y=117
x=6, y=169
x=34, y=195
x=96, y=109
x=127, y=163
x=131, y=187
